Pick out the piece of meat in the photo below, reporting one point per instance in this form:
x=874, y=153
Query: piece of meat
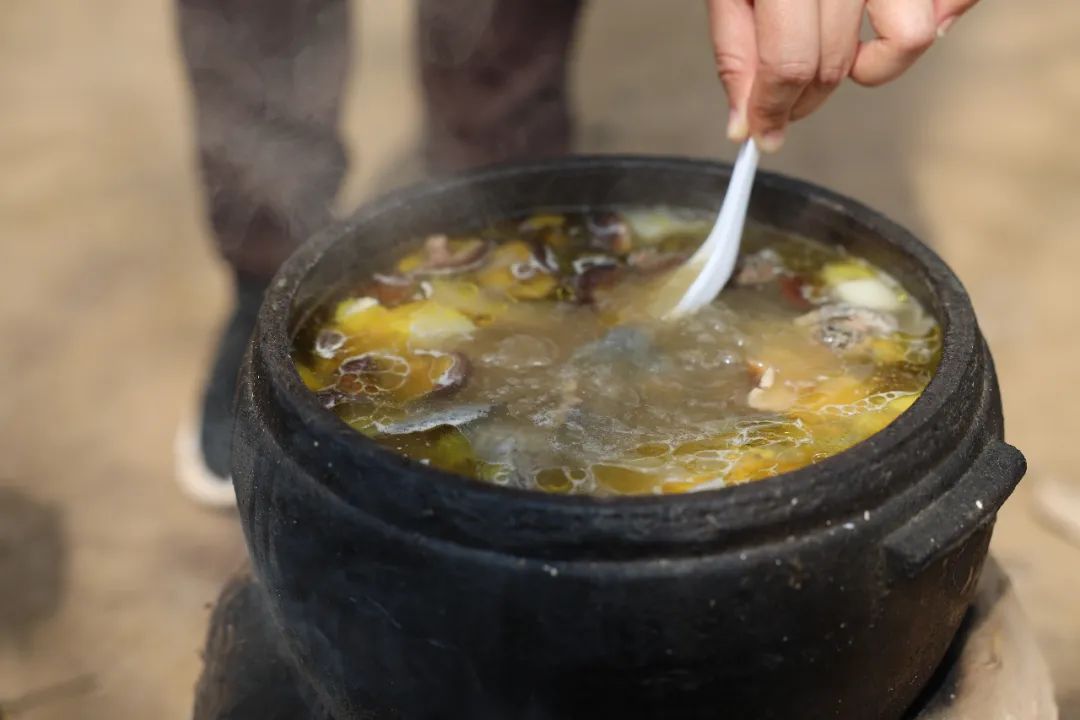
x=759, y=268
x=768, y=396
x=841, y=326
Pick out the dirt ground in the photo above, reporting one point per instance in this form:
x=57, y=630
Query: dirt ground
x=110, y=294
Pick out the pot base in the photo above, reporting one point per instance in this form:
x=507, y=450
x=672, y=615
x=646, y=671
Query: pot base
x=993, y=669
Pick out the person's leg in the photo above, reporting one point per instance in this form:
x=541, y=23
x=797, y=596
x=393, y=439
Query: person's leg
x=494, y=78
x=266, y=77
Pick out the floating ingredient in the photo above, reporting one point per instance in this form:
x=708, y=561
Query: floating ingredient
x=451, y=417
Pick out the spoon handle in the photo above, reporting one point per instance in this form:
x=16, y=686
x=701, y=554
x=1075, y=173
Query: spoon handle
x=716, y=256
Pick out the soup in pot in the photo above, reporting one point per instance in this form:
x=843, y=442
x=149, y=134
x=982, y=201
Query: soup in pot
x=531, y=355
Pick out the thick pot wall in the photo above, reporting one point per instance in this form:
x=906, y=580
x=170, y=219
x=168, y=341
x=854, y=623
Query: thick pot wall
x=831, y=592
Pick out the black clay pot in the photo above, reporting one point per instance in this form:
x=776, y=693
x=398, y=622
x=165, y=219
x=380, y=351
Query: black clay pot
x=403, y=592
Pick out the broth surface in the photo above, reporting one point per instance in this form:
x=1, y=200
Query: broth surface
x=530, y=355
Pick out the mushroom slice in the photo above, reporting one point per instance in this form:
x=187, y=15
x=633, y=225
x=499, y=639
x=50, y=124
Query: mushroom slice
x=372, y=373
x=609, y=232
x=332, y=397
x=587, y=262
x=593, y=278
x=451, y=417
x=392, y=290
x=328, y=342
x=449, y=370
x=446, y=257
x=528, y=269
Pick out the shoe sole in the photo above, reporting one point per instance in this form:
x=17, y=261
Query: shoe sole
x=194, y=477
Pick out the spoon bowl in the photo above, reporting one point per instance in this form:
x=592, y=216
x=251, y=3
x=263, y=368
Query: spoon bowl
x=704, y=275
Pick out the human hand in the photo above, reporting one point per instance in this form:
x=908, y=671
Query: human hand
x=779, y=60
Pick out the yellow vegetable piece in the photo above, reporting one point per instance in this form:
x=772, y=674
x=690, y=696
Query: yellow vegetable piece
x=412, y=262
x=901, y=404
x=420, y=324
x=623, y=480
x=357, y=322
x=502, y=257
x=508, y=254
x=720, y=442
x=498, y=274
x=651, y=450
x=443, y=448
x=842, y=390
x=753, y=465
x=537, y=287
x=468, y=298
x=310, y=378
x=834, y=273
x=539, y=222
x=868, y=423
x=432, y=324
x=354, y=306
x=677, y=487
x=888, y=350
x=682, y=484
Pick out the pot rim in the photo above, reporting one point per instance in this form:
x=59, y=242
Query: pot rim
x=778, y=494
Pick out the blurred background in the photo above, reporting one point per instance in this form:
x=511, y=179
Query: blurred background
x=111, y=292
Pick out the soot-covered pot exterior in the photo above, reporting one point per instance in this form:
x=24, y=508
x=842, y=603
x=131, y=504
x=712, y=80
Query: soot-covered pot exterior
x=831, y=592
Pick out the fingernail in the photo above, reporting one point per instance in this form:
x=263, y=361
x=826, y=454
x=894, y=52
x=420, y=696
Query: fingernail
x=771, y=141
x=737, y=129
x=945, y=25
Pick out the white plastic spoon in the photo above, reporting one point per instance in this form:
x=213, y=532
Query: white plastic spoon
x=704, y=275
